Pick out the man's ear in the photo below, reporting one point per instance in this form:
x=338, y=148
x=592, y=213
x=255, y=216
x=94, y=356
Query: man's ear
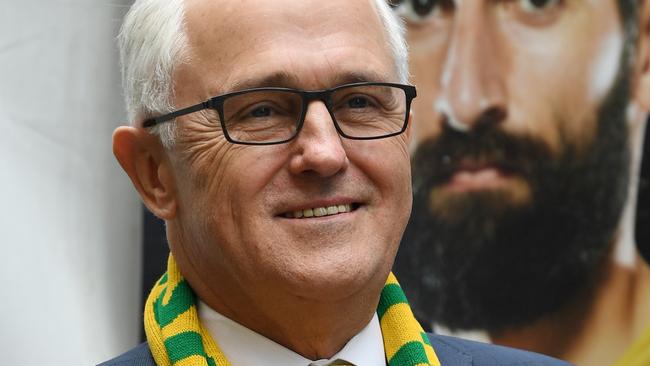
x=642, y=62
x=145, y=160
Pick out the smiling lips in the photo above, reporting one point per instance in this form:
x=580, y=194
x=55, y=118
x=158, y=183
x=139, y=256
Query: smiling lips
x=319, y=211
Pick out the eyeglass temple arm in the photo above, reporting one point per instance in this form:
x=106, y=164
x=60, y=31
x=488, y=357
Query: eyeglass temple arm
x=181, y=112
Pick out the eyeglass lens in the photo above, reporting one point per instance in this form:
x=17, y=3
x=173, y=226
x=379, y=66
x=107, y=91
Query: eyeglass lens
x=363, y=111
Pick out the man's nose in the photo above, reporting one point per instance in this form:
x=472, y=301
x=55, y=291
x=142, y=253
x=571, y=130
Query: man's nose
x=319, y=149
x=473, y=90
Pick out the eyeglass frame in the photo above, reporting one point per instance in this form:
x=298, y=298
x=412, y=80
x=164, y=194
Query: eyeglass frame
x=306, y=96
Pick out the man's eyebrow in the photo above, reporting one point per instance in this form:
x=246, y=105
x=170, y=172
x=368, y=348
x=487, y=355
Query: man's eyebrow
x=359, y=77
x=277, y=79
x=287, y=80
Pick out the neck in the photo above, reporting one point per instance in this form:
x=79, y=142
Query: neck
x=598, y=327
x=315, y=329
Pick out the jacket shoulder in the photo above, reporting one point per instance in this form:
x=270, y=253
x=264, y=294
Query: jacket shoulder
x=450, y=350
x=457, y=351
x=138, y=356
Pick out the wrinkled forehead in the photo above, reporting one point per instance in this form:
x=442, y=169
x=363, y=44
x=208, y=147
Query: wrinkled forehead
x=308, y=40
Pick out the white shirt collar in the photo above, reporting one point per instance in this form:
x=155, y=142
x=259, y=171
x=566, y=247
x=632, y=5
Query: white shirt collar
x=237, y=343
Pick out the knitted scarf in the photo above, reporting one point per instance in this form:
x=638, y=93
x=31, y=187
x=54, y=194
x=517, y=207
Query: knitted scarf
x=639, y=353
x=177, y=338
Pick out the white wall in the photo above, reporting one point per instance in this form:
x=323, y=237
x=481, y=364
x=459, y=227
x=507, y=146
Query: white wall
x=69, y=220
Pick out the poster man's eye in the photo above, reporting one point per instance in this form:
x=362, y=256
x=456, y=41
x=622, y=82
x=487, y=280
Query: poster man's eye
x=419, y=10
x=532, y=6
x=424, y=7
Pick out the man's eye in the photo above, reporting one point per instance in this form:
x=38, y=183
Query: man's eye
x=535, y=12
x=395, y=3
x=358, y=102
x=260, y=112
x=424, y=7
x=531, y=6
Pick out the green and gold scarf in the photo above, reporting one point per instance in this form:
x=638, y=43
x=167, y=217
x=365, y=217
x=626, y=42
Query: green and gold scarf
x=177, y=338
x=639, y=353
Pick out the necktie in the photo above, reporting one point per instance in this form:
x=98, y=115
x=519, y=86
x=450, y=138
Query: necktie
x=337, y=362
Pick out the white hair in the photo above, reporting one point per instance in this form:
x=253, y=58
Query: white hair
x=152, y=41
x=394, y=30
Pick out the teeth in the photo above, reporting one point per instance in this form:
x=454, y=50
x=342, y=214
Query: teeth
x=319, y=211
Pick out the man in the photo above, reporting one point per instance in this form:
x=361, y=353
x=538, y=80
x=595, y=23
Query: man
x=286, y=195
x=529, y=128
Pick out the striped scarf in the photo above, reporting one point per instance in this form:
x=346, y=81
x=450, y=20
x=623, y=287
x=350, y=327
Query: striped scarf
x=177, y=338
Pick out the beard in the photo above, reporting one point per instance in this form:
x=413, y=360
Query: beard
x=483, y=260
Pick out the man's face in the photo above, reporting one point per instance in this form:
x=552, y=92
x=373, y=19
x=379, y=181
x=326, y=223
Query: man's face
x=521, y=156
x=233, y=229
x=527, y=65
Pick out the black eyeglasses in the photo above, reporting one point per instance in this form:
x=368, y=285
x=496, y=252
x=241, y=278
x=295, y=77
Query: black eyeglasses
x=267, y=116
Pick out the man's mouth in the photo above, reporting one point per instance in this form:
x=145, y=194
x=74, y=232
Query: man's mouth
x=472, y=176
x=476, y=179
x=321, y=211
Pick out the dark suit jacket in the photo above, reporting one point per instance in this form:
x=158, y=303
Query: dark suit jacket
x=451, y=352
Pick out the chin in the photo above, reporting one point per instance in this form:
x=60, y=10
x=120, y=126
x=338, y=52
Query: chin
x=452, y=205
x=338, y=281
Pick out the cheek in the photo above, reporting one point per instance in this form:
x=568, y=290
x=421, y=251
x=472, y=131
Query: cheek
x=239, y=189
x=386, y=164
x=220, y=182
x=555, y=113
x=223, y=202
x=560, y=78
x=426, y=68
x=225, y=171
x=606, y=62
